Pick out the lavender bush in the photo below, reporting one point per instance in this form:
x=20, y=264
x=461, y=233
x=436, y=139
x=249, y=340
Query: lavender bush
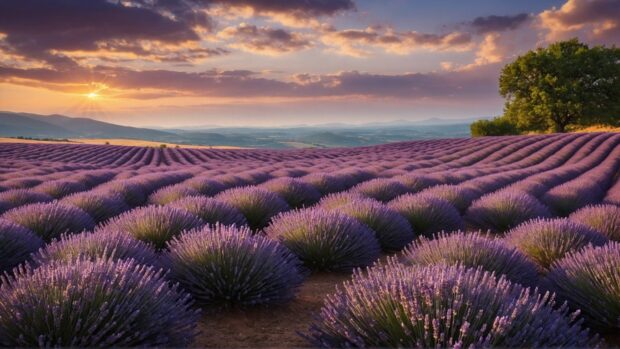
x=211, y=211
x=501, y=211
x=256, y=204
x=391, y=229
x=154, y=224
x=205, y=185
x=459, y=196
x=326, y=240
x=590, y=281
x=602, y=218
x=107, y=244
x=99, y=206
x=427, y=214
x=473, y=250
x=50, y=220
x=442, y=306
x=381, y=189
x=548, y=240
x=225, y=265
x=19, y=197
x=336, y=200
x=295, y=192
x=16, y=244
x=60, y=188
x=171, y=193
x=133, y=193
x=94, y=303
x=415, y=183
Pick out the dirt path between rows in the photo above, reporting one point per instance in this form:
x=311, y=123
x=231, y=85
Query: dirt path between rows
x=268, y=327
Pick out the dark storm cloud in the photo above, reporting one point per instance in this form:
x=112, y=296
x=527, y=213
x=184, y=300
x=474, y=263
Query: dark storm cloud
x=488, y=24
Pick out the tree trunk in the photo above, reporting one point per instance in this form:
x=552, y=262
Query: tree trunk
x=559, y=126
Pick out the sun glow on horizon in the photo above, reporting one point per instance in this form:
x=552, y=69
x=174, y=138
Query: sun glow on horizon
x=92, y=95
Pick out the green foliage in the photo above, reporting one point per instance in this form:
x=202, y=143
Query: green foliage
x=499, y=126
x=565, y=84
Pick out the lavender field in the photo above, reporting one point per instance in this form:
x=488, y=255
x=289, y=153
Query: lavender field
x=481, y=242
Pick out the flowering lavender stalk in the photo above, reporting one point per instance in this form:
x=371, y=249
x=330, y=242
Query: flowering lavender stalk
x=501, y=211
x=112, y=245
x=133, y=193
x=224, y=265
x=211, y=211
x=16, y=244
x=100, y=207
x=590, y=280
x=602, y=218
x=442, y=306
x=94, y=303
x=427, y=214
x=473, y=250
x=256, y=204
x=391, y=229
x=548, y=240
x=50, y=220
x=325, y=240
x=154, y=224
x=205, y=185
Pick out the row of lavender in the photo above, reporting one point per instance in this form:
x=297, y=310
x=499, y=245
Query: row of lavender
x=371, y=205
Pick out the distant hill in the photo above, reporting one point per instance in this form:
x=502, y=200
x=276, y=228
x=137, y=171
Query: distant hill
x=59, y=126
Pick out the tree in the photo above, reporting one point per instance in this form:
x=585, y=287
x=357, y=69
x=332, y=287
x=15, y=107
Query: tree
x=495, y=127
x=567, y=83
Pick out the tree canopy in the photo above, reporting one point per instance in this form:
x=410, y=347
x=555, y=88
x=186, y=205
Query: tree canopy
x=565, y=84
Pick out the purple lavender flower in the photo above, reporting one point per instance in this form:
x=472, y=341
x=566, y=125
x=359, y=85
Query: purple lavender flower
x=391, y=229
x=256, y=204
x=94, y=303
x=225, y=265
x=16, y=244
x=171, y=193
x=326, y=240
x=50, y=220
x=602, y=218
x=105, y=244
x=100, y=207
x=211, y=211
x=503, y=210
x=548, y=240
x=328, y=183
x=473, y=250
x=427, y=214
x=295, y=192
x=154, y=224
x=442, y=306
x=382, y=189
x=590, y=281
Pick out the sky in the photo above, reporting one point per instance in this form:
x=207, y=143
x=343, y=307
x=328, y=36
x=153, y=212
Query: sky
x=184, y=63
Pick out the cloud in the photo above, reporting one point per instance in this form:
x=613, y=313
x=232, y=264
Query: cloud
x=359, y=42
x=215, y=83
x=264, y=40
x=303, y=8
x=489, y=24
x=596, y=20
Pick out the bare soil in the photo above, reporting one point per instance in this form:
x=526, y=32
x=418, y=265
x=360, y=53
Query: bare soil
x=268, y=327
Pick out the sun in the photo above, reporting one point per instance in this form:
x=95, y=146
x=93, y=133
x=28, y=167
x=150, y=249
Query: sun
x=92, y=95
